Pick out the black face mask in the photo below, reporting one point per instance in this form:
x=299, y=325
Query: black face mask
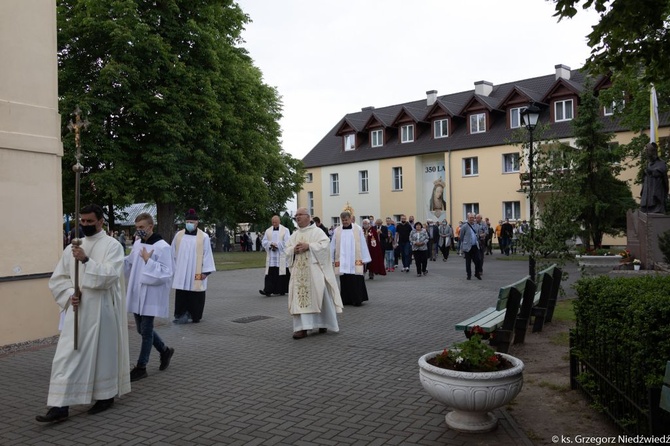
x=88, y=230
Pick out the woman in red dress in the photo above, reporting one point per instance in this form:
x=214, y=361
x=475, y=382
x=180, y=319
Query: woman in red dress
x=375, y=248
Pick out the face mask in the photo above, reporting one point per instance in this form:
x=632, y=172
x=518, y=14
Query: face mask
x=190, y=227
x=88, y=230
x=141, y=233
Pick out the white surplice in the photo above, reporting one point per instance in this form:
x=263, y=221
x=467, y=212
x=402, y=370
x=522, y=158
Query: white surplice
x=348, y=249
x=149, y=283
x=99, y=369
x=314, y=296
x=185, y=262
x=280, y=239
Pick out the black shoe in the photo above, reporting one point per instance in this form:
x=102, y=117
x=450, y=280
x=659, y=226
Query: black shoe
x=425, y=273
x=101, y=406
x=469, y=278
x=478, y=276
x=54, y=415
x=323, y=330
x=166, y=356
x=264, y=293
x=183, y=319
x=136, y=374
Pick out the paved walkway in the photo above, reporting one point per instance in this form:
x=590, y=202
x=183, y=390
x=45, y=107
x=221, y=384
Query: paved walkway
x=239, y=381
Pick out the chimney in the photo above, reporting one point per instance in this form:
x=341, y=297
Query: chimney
x=370, y=107
x=562, y=72
x=431, y=97
x=483, y=88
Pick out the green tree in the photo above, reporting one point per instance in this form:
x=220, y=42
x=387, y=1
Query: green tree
x=179, y=115
x=630, y=33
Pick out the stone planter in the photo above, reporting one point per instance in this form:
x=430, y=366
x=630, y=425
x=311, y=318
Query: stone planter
x=471, y=395
x=595, y=265
x=636, y=267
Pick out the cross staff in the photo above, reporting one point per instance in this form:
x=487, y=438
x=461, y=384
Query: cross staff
x=76, y=127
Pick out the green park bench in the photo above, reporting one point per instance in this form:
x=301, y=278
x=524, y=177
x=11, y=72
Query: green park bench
x=501, y=320
x=544, y=300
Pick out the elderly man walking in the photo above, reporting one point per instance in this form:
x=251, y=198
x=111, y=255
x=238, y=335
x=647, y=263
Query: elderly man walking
x=274, y=243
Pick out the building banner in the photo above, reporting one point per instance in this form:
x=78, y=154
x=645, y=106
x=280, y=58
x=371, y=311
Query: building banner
x=434, y=191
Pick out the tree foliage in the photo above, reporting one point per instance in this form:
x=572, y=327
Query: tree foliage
x=179, y=114
x=630, y=33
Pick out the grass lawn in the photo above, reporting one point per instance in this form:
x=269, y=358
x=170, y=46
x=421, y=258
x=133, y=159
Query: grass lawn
x=226, y=261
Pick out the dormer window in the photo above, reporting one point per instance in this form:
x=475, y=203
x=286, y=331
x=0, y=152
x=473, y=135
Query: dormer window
x=614, y=106
x=563, y=110
x=407, y=133
x=441, y=128
x=350, y=142
x=478, y=123
x=515, y=117
x=377, y=138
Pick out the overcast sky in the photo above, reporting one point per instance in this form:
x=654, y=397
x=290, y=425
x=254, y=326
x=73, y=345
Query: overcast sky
x=331, y=57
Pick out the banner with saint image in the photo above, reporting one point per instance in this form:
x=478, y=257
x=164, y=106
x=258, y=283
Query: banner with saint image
x=434, y=191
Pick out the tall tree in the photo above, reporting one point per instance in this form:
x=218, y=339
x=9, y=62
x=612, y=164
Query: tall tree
x=179, y=114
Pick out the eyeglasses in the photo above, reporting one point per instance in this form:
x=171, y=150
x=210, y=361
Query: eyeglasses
x=298, y=215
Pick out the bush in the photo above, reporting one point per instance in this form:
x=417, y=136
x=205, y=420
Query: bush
x=664, y=245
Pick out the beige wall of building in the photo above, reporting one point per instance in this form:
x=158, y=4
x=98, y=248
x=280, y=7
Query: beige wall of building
x=30, y=169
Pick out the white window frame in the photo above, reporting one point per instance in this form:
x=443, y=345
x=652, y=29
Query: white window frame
x=477, y=123
x=407, y=133
x=473, y=163
x=563, y=107
x=309, y=177
x=363, y=182
x=335, y=221
x=514, y=208
x=515, y=115
x=310, y=202
x=396, y=179
x=511, y=163
x=609, y=110
x=441, y=128
x=377, y=138
x=334, y=184
x=350, y=142
x=470, y=208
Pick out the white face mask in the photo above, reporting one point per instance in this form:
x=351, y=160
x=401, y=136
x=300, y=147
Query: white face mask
x=190, y=227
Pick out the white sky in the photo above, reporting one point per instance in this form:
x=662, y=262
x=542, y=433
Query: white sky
x=331, y=57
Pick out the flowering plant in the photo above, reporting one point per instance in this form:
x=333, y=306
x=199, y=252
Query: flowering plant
x=625, y=254
x=471, y=355
x=637, y=262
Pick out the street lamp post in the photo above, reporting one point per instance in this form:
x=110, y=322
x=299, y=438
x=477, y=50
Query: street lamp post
x=529, y=117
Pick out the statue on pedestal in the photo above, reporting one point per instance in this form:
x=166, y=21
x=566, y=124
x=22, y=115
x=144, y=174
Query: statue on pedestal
x=654, y=182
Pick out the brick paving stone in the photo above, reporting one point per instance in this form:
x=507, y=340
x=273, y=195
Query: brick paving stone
x=251, y=383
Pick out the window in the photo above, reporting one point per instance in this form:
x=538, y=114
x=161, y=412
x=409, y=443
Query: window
x=407, y=133
x=510, y=162
x=512, y=210
x=470, y=208
x=377, y=138
x=441, y=128
x=613, y=107
x=478, y=123
x=309, y=178
x=335, y=222
x=334, y=184
x=515, y=117
x=310, y=203
x=470, y=167
x=563, y=110
x=350, y=142
x=363, y=182
x=396, y=218
x=397, y=178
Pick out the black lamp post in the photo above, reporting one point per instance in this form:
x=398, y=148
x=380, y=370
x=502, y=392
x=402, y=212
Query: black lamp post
x=529, y=117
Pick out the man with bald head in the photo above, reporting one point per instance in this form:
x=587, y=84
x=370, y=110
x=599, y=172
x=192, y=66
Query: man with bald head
x=313, y=295
x=276, y=272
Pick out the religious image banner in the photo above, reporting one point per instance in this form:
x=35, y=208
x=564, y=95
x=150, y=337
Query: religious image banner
x=434, y=191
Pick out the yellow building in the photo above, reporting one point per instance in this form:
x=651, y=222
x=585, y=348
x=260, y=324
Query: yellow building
x=30, y=170
x=443, y=156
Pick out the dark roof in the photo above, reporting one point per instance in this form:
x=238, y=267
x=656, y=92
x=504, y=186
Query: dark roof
x=329, y=150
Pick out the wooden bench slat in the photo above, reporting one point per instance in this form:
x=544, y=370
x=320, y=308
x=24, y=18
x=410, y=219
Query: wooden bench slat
x=461, y=326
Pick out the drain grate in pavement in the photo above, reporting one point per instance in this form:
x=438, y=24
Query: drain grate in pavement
x=246, y=320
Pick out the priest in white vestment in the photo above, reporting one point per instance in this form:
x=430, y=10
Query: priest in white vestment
x=99, y=369
x=193, y=262
x=274, y=243
x=313, y=296
x=350, y=253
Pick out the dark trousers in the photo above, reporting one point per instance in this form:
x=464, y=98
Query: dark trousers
x=473, y=256
x=191, y=301
x=444, y=249
x=421, y=260
x=274, y=283
x=145, y=327
x=406, y=251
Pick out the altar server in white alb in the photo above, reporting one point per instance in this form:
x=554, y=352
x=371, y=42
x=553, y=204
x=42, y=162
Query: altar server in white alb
x=193, y=262
x=350, y=254
x=149, y=272
x=274, y=243
x=313, y=297
x=99, y=368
